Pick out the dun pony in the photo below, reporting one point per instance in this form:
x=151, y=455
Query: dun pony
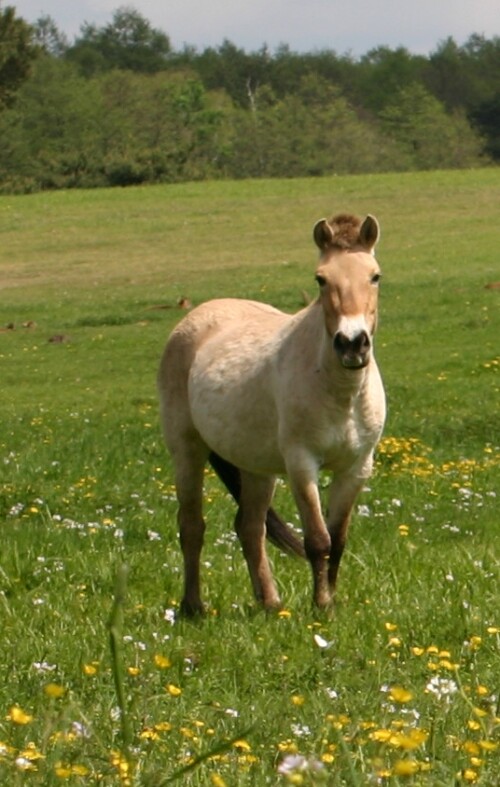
x=260, y=393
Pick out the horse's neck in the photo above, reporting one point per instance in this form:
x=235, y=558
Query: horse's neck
x=344, y=385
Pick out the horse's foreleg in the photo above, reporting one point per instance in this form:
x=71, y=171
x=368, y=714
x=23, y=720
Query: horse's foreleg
x=343, y=493
x=303, y=476
x=255, y=499
x=189, y=485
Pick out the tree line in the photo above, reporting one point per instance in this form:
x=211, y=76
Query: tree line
x=120, y=106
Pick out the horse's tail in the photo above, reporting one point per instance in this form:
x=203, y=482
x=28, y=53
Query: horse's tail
x=277, y=530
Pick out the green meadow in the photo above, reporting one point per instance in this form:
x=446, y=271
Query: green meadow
x=101, y=682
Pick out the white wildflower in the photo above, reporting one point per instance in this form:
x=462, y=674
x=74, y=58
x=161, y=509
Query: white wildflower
x=44, y=666
x=321, y=642
x=297, y=763
x=442, y=688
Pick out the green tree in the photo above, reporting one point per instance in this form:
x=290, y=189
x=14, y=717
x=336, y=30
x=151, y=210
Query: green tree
x=486, y=118
x=17, y=53
x=382, y=73
x=158, y=128
x=313, y=131
x=50, y=138
x=48, y=36
x=430, y=137
x=128, y=42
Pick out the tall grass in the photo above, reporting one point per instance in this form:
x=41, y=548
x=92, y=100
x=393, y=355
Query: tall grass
x=102, y=683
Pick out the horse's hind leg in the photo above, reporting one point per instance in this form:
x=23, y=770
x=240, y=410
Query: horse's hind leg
x=189, y=468
x=255, y=499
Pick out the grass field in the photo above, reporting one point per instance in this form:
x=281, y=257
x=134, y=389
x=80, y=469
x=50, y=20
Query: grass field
x=101, y=683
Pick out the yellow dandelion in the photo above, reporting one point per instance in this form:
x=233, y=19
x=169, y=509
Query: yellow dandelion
x=66, y=771
x=247, y=759
x=417, y=651
x=31, y=753
x=405, y=768
x=162, y=661
x=395, y=642
x=217, y=780
x=408, y=741
x=18, y=716
x=471, y=748
x=54, y=691
x=488, y=745
x=62, y=771
x=470, y=775
x=287, y=747
x=399, y=694
x=133, y=671
x=163, y=726
x=122, y=765
x=80, y=770
x=390, y=626
x=381, y=736
x=174, y=690
x=284, y=613
x=473, y=725
x=327, y=757
x=149, y=734
x=493, y=630
x=449, y=665
x=242, y=745
x=482, y=691
x=297, y=700
x=90, y=669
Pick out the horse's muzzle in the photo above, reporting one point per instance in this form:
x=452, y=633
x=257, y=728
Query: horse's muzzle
x=353, y=353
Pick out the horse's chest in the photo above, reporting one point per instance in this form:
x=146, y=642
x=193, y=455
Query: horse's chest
x=342, y=438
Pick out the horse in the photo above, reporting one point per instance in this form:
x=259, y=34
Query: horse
x=260, y=393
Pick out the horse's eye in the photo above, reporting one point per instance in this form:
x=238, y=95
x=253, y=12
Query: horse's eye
x=320, y=279
x=376, y=278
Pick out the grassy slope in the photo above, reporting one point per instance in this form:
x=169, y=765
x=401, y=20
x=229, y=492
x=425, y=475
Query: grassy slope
x=81, y=455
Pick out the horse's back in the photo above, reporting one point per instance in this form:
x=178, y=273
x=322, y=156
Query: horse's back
x=207, y=322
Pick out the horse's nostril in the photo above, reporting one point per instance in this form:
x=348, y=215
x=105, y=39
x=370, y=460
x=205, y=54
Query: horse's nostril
x=362, y=342
x=353, y=352
x=341, y=342
x=359, y=344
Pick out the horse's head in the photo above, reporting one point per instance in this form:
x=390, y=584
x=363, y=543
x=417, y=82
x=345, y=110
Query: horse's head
x=348, y=276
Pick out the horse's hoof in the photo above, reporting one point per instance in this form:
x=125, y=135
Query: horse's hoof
x=323, y=601
x=190, y=609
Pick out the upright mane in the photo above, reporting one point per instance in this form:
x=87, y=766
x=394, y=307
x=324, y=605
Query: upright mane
x=345, y=229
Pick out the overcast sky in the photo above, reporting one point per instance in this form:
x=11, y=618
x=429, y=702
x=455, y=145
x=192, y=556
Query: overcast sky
x=305, y=25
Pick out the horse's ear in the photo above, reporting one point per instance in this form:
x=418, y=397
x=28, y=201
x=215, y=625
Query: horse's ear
x=322, y=234
x=369, y=233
